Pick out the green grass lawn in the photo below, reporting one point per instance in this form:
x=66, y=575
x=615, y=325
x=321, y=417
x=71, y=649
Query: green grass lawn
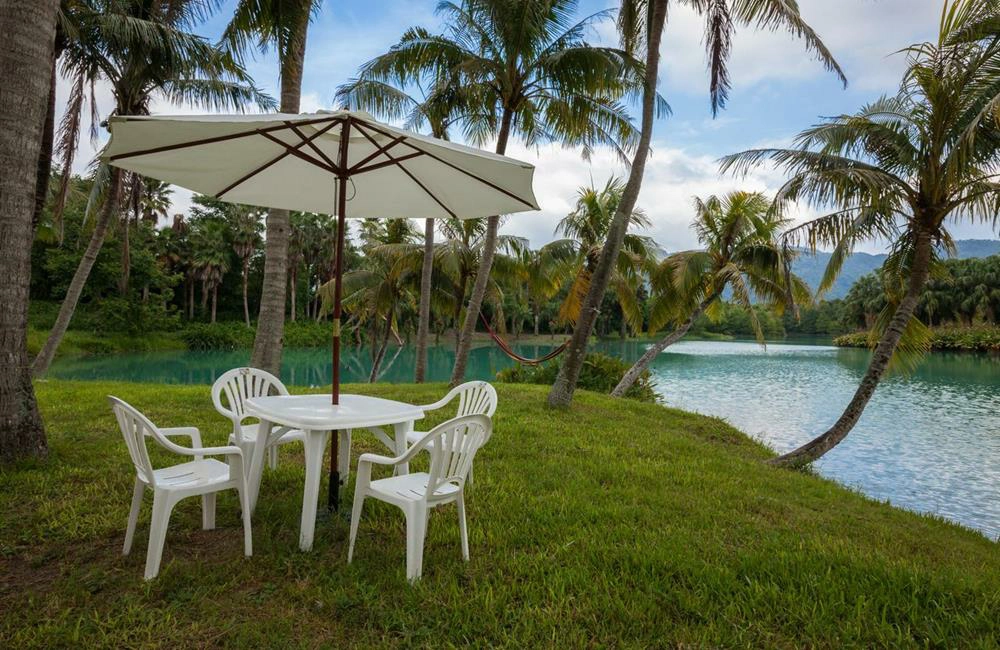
x=614, y=524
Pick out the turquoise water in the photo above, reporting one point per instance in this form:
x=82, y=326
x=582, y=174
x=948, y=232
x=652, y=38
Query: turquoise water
x=929, y=442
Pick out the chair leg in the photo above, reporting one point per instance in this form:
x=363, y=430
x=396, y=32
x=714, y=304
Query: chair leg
x=469, y=482
x=163, y=503
x=247, y=531
x=208, y=511
x=359, y=503
x=462, y=529
x=416, y=523
x=272, y=456
x=133, y=515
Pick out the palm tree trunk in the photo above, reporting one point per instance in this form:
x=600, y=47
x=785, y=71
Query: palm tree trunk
x=380, y=353
x=424, y=311
x=562, y=390
x=126, y=257
x=44, y=170
x=215, y=300
x=25, y=66
x=68, y=306
x=536, y=316
x=267, y=342
x=246, y=304
x=293, y=280
x=818, y=446
x=483, y=273
x=190, y=298
x=632, y=374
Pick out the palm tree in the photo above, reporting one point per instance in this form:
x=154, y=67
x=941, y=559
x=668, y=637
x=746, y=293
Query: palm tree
x=740, y=235
x=154, y=202
x=525, y=70
x=25, y=60
x=283, y=25
x=296, y=255
x=640, y=23
x=209, y=258
x=380, y=92
x=140, y=51
x=540, y=274
x=903, y=168
x=244, y=231
x=585, y=230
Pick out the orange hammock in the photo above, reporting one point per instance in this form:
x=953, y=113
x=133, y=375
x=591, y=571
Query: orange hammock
x=514, y=355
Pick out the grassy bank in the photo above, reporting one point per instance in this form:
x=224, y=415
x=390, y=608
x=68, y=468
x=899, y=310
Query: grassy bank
x=984, y=338
x=616, y=524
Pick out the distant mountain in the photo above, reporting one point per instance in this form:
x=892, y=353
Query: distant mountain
x=810, y=267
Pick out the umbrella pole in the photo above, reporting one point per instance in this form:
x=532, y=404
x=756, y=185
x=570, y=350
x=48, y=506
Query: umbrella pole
x=333, y=498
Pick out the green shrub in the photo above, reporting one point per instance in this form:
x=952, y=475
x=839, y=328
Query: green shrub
x=217, y=336
x=982, y=338
x=600, y=373
x=308, y=334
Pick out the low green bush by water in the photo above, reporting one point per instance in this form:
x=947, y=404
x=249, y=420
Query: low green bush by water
x=983, y=338
x=613, y=524
x=600, y=373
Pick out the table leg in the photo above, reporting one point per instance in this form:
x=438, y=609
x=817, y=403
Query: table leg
x=315, y=442
x=401, y=430
x=255, y=468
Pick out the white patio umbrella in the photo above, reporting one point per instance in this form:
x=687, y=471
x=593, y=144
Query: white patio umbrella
x=344, y=163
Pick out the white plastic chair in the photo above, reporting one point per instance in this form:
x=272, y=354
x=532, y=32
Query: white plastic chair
x=238, y=385
x=199, y=477
x=474, y=398
x=452, y=446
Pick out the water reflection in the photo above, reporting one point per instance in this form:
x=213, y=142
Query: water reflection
x=929, y=441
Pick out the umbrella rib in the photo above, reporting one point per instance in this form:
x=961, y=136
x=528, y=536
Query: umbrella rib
x=219, y=138
x=407, y=172
x=454, y=166
x=277, y=158
x=312, y=145
x=379, y=149
x=387, y=163
x=298, y=154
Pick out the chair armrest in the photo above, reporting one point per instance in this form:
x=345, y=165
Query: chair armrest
x=378, y=459
x=229, y=450
x=190, y=432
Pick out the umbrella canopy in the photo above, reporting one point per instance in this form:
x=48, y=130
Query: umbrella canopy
x=288, y=161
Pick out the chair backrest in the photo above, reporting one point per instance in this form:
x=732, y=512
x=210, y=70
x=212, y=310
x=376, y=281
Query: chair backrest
x=475, y=398
x=453, y=445
x=135, y=427
x=240, y=384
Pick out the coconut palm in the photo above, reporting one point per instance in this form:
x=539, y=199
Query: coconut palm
x=640, y=24
x=540, y=274
x=209, y=258
x=741, y=251
x=25, y=60
x=585, y=230
x=381, y=93
x=526, y=71
x=903, y=168
x=296, y=256
x=154, y=201
x=141, y=50
x=244, y=232
x=282, y=25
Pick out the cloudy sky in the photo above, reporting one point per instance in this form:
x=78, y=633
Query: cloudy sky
x=778, y=90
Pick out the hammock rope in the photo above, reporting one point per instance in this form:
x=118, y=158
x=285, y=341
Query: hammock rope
x=509, y=351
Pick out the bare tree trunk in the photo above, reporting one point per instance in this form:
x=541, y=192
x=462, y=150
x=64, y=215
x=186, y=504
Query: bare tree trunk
x=126, y=257
x=268, y=341
x=482, y=274
x=424, y=311
x=562, y=390
x=818, y=446
x=44, y=170
x=68, y=306
x=380, y=353
x=293, y=282
x=632, y=374
x=537, y=316
x=190, y=298
x=215, y=300
x=26, y=54
x=246, y=304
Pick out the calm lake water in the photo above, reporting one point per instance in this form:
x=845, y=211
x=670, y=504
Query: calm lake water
x=928, y=442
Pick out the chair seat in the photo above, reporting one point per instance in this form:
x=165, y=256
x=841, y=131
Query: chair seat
x=410, y=487
x=195, y=474
x=250, y=435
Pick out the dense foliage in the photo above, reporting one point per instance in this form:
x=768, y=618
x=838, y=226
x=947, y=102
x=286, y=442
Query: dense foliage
x=600, y=374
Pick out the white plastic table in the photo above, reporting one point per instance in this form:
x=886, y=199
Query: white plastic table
x=316, y=417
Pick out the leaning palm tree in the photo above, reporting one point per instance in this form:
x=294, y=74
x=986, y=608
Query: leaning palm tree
x=526, y=71
x=903, y=168
x=381, y=92
x=144, y=52
x=741, y=251
x=585, y=230
x=641, y=24
x=282, y=25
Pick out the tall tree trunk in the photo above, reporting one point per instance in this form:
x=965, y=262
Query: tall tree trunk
x=25, y=66
x=190, y=298
x=215, y=300
x=68, y=306
x=204, y=298
x=562, y=390
x=483, y=273
x=537, y=316
x=424, y=311
x=462, y=282
x=292, y=283
x=379, y=354
x=126, y=257
x=818, y=446
x=654, y=350
x=44, y=170
x=246, y=304
x=267, y=344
